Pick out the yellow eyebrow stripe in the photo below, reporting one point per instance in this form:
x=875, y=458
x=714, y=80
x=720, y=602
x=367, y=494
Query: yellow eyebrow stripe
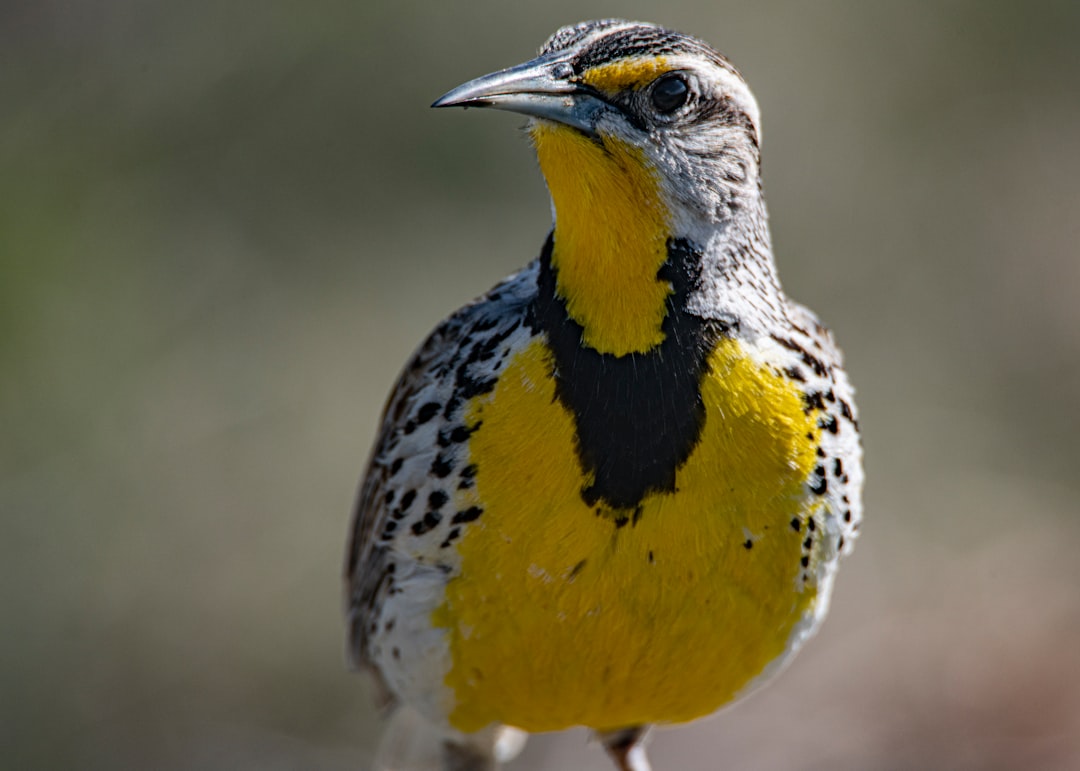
x=625, y=73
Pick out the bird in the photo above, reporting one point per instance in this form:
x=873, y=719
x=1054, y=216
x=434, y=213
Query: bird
x=613, y=491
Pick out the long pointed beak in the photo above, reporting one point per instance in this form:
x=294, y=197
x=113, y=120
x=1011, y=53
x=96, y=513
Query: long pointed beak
x=542, y=88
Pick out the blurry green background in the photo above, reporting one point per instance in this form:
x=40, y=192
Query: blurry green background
x=224, y=225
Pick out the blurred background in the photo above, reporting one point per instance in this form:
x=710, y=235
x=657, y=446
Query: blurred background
x=225, y=225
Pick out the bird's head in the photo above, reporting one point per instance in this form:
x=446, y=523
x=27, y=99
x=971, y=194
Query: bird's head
x=637, y=94
x=648, y=140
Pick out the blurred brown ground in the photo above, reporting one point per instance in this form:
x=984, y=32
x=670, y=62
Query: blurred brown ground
x=223, y=226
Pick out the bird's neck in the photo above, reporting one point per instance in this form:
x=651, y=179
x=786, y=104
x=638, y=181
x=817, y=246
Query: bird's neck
x=610, y=239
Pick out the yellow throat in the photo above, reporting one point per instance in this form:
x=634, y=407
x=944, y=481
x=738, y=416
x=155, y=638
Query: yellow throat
x=611, y=235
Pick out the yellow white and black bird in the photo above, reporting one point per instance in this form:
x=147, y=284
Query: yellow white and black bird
x=612, y=492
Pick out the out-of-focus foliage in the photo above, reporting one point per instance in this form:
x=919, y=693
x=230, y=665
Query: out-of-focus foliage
x=223, y=226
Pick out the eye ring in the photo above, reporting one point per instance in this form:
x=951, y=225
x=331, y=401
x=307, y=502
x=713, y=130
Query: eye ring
x=669, y=92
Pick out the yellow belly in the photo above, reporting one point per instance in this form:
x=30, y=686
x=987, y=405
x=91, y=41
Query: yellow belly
x=560, y=618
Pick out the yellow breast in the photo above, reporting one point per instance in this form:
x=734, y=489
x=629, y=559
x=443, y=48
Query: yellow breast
x=559, y=617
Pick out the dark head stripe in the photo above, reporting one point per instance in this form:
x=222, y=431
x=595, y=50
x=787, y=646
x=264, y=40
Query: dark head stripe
x=570, y=36
x=628, y=42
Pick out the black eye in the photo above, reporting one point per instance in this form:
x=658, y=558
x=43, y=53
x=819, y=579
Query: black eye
x=669, y=93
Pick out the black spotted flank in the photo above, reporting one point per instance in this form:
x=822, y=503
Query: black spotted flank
x=651, y=418
x=455, y=435
x=461, y=433
x=450, y=537
x=845, y=410
x=427, y=412
x=467, y=515
x=829, y=424
x=815, y=364
x=437, y=499
x=428, y=523
x=813, y=401
x=441, y=466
